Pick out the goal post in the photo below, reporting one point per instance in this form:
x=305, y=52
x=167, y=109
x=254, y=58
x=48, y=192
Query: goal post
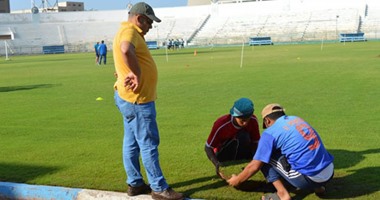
x=5, y=37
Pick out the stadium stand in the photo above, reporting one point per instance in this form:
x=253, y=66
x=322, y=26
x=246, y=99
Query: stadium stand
x=232, y=23
x=224, y=23
x=178, y=23
x=371, y=20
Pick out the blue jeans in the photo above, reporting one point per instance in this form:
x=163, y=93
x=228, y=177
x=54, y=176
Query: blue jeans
x=141, y=136
x=276, y=169
x=103, y=57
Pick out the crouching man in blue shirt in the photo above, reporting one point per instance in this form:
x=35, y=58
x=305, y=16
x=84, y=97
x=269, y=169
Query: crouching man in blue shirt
x=291, y=149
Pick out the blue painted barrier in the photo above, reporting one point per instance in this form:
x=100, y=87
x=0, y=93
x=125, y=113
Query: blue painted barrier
x=25, y=191
x=53, y=49
x=352, y=37
x=253, y=41
x=21, y=191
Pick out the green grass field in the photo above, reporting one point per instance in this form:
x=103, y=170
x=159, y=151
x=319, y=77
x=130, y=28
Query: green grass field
x=54, y=132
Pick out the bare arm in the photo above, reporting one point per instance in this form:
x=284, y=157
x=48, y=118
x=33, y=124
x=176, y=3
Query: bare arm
x=130, y=58
x=251, y=169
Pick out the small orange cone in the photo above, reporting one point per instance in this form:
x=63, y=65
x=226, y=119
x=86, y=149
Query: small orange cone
x=195, y=52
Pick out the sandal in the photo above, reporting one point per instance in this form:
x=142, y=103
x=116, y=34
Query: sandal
x=271, y=196
x=321, y=193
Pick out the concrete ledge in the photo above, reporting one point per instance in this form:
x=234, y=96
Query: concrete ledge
x=97, y=194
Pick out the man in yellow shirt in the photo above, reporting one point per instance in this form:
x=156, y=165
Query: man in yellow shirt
x=135, y=95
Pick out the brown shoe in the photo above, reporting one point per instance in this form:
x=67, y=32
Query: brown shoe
x=168, y=194
x=143, y=189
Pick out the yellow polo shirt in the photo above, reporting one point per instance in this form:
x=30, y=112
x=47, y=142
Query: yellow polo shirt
x=146, y=91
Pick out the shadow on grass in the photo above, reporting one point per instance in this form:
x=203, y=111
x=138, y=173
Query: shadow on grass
x=26, y=87
x=360, y=182
x=21, y=173
x=248, y=186
x=215, y=182
x=215, y=185
x=346, y=159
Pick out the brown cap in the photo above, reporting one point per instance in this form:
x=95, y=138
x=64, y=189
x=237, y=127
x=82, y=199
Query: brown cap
x=144, y=9
x=269, y=109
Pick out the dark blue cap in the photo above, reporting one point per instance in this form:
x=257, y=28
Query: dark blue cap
x=243, y=107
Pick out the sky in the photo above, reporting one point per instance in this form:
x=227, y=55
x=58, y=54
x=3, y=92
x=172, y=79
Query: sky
x=99, y=4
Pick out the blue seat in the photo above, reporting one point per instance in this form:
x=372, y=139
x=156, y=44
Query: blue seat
x=352, y=37
x=152, y=44
x=53, y=49
x=260, y=41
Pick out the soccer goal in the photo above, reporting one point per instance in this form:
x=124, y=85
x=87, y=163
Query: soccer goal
x=6, y=35
x=8, y=50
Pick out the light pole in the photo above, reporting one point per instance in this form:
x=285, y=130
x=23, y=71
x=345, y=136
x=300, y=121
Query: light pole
x=336, y=27
x=158, y=37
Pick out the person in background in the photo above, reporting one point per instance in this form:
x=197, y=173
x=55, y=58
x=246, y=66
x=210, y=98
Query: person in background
x=135, y=95
x=96, y=47
x=103, y=53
